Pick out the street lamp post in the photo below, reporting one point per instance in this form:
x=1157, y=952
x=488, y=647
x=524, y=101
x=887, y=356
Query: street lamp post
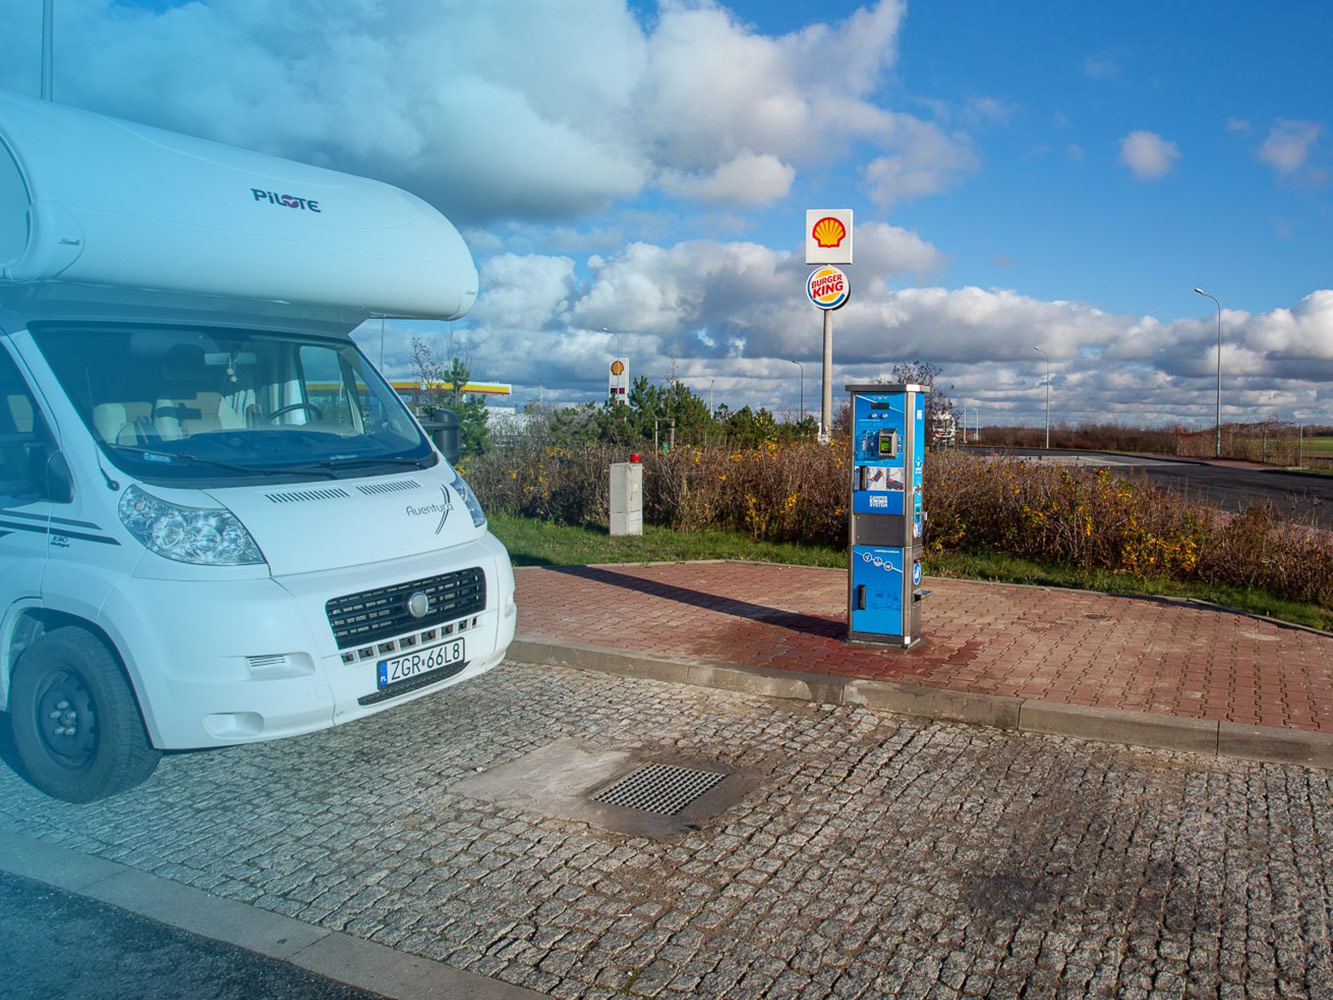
x=711, y=408
x=802, y=367
x=1217, y=447
x=1048, y=395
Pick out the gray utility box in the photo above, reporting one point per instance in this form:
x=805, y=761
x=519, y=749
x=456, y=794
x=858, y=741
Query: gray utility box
x=626, y=498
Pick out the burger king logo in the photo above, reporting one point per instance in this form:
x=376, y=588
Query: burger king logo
x=827, y=287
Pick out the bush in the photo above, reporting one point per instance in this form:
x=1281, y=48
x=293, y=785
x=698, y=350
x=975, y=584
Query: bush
x=1095, y=520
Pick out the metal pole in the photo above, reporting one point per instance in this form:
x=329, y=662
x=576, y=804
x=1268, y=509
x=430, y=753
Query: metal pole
x=1217, y=449
x=48, y=47
x=617, y=336
x=1048, y=395
x=711, y=408
x=802, y=367
x=826, y=406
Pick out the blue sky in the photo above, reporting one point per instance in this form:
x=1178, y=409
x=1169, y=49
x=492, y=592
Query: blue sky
x=1025, y=174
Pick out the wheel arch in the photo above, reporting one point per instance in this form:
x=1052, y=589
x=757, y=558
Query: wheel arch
x=29, y=623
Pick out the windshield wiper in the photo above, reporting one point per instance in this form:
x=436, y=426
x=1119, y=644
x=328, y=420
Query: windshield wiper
x=348, y=463
x=157, y=455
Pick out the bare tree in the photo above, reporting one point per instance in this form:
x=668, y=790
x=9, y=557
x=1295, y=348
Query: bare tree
x=937, y=402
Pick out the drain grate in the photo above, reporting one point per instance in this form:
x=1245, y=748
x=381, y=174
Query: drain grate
x=663, y=789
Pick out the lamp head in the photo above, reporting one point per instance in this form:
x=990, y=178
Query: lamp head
x=1200, y=291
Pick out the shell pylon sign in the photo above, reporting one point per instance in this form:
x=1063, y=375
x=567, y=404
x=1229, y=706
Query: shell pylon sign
x=828, y=236
x=618, y=380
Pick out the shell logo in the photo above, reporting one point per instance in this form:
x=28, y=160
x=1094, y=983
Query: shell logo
x=829, y=232
x=827, y=287
x=617, y=367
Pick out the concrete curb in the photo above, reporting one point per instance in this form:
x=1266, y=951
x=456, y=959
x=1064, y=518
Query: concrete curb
x=332, y=954
x=1144, y=729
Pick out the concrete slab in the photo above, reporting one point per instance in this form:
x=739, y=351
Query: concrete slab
x=203, y=913
x=374, y=967
x=54, y=865
x=1281, y=746
x=1143, y=729
x=935, y=703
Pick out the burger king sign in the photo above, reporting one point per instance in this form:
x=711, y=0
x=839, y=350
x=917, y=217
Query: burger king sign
x=827, y=287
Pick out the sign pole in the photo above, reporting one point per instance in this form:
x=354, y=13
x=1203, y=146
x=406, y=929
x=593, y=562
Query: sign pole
x=826, y=407
x=828, y=240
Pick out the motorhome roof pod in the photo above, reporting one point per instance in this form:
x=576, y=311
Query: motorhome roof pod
x=98, y=210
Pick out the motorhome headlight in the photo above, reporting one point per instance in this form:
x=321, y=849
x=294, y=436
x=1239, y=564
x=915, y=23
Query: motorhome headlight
x=203, y=536
x=473, y=505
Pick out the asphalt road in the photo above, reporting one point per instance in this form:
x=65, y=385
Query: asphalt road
x=1302, y=496
x=57, y=945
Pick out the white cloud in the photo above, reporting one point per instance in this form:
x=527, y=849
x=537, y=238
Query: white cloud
x=749, y=179
x=506, y=109
x=1147, y=154
x=925, y=160
x=887, y=251
x=734, y=314
x=1304, y=331
x=524, y=293
x=1101, y=67
x=1287, y=148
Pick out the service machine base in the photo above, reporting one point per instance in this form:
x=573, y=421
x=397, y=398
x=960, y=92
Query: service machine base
x=886, y=519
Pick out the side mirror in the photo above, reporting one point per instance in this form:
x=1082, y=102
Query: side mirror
x=59, y=484
x=443, y=431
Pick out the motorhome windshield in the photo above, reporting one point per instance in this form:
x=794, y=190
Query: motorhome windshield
x=185, y=406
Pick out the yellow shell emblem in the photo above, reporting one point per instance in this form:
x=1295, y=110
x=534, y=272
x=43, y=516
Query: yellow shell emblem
x=828, y=232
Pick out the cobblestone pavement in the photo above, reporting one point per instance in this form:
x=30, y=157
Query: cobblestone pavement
x=1137, y=654
x=873, y=856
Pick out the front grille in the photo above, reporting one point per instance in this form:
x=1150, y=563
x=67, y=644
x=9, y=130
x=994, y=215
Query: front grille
x=372, y=615
x=413, y=683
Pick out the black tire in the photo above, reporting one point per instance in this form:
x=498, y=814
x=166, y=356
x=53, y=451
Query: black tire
x=76, y=724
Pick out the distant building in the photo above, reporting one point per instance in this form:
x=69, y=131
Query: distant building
x=506, y=424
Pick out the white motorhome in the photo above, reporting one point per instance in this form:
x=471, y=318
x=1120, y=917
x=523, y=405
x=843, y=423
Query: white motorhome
x=218, y=522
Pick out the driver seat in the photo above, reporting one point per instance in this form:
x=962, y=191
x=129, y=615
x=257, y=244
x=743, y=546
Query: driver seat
x=192, y=406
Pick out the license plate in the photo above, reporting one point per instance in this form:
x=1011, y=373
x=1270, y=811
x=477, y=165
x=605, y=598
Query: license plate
x=419, y=661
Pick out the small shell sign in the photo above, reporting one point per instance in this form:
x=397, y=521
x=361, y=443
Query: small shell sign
x=827, y=287
x=828, y=236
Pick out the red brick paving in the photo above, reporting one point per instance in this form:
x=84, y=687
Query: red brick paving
x=1127, y=653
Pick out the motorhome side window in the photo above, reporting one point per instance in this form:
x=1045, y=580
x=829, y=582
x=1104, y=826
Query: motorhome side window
x=329, y=388
x=189, y=405
x=25, y=441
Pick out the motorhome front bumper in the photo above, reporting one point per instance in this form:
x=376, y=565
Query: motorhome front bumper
x=218, y=663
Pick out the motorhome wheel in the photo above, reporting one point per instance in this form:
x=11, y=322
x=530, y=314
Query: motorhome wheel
x=76, y=724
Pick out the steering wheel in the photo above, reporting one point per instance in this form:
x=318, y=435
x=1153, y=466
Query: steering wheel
x=290, y=407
